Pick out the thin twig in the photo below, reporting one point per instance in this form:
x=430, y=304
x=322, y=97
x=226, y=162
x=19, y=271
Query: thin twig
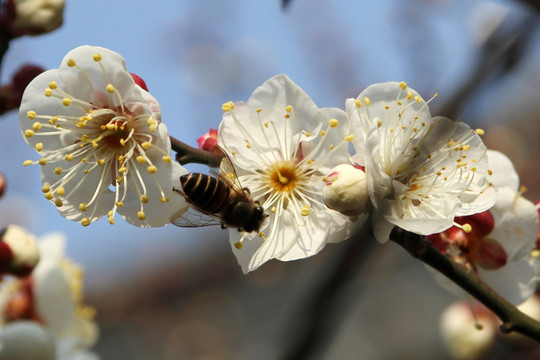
x=186, y=154
x=513, y=320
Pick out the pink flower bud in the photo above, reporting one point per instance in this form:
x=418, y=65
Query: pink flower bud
x=139, y=81
x=19, y=253
x=208, y=141
x=346, y=190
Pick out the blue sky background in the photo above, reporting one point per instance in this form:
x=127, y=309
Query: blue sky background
x=195, y=55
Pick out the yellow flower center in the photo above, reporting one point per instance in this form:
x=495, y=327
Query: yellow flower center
x=283, y=176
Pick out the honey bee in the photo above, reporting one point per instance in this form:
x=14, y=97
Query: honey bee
x=219, y=200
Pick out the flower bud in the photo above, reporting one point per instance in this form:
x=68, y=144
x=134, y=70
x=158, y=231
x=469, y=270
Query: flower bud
x=208, y=142
x=19, y=253
x=26, y=340
x=139, y=81
x=36, y=17
x=346, y=190
x=465, y=336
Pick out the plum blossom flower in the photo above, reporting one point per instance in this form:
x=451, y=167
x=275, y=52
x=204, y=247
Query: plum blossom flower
x=282, y=146
x=48, y=306
x=19, y=252
x=421, y=171
x=499, y=241
x=103, y=147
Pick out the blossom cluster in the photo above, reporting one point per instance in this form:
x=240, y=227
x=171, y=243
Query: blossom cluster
x=104, y=150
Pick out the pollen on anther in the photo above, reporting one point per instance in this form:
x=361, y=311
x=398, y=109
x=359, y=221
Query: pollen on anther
x=85, y=222
x=367, y=101
x=66, y=101
x=49, y=195
x=27, y=162
x=96, y=57
x=166, y=159
x=467, y=228
x=141, y=215
x=46, y=188
x=288, y=108
x=379, y=122
x=71, y=62
x=58, y=170
x=490, y=172
x=110, y=88
x=152, y=169
x=53, y=85
x=164, y=199
x=146, y=145
x=403, y=85
x=31, y=115
x=333, y=123
x=228, y=106
x=58, y=202
x=349, y=137
x=83, y=207
x=323, y=132
x=28, y=133
x=145, y=199
x=42, y=161
x=239, y=245
x=358, y=103
x=259, y=110
x=305, y=211
x=60, y=191
x=479, y=132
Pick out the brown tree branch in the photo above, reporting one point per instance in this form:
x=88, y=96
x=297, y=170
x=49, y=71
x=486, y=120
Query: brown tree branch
x=513, y=320
x=186, y=154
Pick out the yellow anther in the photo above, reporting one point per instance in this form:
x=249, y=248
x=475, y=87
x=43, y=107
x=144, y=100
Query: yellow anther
x=140, y=159
x=66, y=101
x=27, y=162
x=286, y=116
x=53, y=120
x=49, y=195
x=403, y=85
x=39, y=146
x=358, y=103
x=166, y=159
x=146, y=145
x=333, y=123
x=122, y=142
x=451, y=143
x=42, y=161
x=305, y=211
x=122, y=170
x=58, y=170
x=71, y=62
x=46, y=188
x=331, y=146
x=96, y=57
x=110, y=219
x=248, y=146
x=48, y=92
x=145, y=199
x=473, y=169
x=467, y=228
x=28, y=133
x=259, y=110
x=228, y=106
x=85, y=221
x=141, y=215
x=58, y=202
x=479, y=132
x=310, y=161
x=239, y=245
x=53, y=85
x=418, y=99
x=83, y=207
x=349, y=137
x=261, y=234
x=31, y=115
x=409, y=95
x=152, y=169
x=69, y=157
x=164, y=199
x=110, y=88
x=367, y=101
x=288, y=108
x=522, y=189
x=119, y=203
x=387, y=107
x=379, y=122
x=308, y=134
x=94, y=144
x=266, y=124
x=60, y=191
x=273, y=209
x=466, y=147
x=323, y=132
x=101, y=162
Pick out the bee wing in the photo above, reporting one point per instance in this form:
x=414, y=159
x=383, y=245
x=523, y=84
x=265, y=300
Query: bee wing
x=192, y=217
x=227, y=173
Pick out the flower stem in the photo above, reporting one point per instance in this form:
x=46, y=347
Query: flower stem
x=513, y=320
x=186, y=154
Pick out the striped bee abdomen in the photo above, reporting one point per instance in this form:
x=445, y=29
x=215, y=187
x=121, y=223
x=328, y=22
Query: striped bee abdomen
x=205, y=192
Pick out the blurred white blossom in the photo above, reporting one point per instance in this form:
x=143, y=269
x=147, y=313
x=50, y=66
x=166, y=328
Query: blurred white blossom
x=36, y=17
x=282, y=146
x=421, y=171
x=47, y=306
x=103, y=147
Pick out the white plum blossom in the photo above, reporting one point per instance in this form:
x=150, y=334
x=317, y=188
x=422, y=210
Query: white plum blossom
x=103, y=147
x=499, y=242
x=421, y=171
x=36, y=17
x=282, y=146
x=48, y=306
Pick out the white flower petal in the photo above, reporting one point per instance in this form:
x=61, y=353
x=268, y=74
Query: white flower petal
x=504, y=173
x=514, y=281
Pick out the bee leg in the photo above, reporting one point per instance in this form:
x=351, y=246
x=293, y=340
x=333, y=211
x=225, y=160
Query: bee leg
x=246, y=190
x=223, y=226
